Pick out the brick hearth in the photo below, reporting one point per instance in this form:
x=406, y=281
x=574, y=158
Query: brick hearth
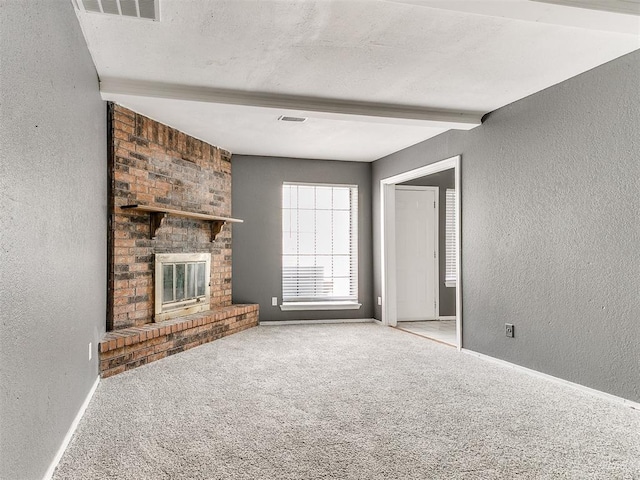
x=129, y=348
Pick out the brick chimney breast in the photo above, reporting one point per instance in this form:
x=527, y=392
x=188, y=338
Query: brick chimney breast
x=154, y=164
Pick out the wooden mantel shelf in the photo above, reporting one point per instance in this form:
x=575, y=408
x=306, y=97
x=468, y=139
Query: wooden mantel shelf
x=158, y=214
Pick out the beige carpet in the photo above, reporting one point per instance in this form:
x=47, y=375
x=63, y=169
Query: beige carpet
x=355, y=401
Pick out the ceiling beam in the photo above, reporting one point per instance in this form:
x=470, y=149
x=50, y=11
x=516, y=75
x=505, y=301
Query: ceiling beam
x=335, y=109
x=627, y=7
x=613, y=16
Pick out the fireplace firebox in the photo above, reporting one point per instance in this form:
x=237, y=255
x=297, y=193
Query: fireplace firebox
x=182, y=284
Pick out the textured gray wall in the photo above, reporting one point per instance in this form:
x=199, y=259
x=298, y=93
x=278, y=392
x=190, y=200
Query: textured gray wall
x=550, y=228
x=52, y=230
x=442, y=180
x=257, y=243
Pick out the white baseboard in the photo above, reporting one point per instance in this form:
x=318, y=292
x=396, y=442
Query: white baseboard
x=70, y=432
x=316, y=322
x=577, y=386
x=447, y=318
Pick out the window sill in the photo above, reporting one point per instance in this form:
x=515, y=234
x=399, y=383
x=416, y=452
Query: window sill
x=297, y=306
x=450, y=284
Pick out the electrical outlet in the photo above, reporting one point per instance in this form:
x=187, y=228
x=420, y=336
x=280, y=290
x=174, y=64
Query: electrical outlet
x=90, y=351
x=274, y=301
x=379, y=300
x=509, y=330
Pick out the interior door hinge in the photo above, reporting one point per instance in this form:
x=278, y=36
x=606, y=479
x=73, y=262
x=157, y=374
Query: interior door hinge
x=434, y=254
x=434, y=204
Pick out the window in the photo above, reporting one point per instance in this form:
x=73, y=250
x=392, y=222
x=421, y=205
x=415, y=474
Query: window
x=319, y=246
x=182, y=284
x=450, y=241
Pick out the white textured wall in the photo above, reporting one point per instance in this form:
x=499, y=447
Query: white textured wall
x=551, y=228
x=52, y=230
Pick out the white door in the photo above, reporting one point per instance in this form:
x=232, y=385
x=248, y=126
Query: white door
x=417, y=252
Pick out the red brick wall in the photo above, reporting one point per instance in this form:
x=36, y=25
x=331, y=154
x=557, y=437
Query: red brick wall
x=154, y=164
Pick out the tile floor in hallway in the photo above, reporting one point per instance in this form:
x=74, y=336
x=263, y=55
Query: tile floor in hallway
x=441, y=330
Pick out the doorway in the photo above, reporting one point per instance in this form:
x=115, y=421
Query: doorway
x=389, y=251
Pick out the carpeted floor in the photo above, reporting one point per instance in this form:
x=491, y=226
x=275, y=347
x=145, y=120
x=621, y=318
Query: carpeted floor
x=352, y=401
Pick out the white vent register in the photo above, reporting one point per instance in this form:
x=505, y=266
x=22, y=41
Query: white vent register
x=143, y=9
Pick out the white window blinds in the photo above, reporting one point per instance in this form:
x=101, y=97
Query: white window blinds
x=450, y=241
x=319, y=243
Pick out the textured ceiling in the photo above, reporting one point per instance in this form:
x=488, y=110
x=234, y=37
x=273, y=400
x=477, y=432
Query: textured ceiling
x=372, y=76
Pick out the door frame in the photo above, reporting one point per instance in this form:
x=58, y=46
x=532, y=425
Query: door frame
x=388, y=240
x=436, y=234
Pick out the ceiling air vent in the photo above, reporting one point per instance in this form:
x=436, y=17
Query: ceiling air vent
x=284, y=118
x=144, y=9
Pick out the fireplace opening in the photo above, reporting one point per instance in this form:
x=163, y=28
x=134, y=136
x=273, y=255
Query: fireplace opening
x=182, y=284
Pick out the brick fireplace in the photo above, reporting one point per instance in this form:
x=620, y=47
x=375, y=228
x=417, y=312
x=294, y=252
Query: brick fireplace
x=156, y=166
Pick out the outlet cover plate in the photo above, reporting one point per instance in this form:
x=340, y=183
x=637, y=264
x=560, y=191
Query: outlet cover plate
x=509, y=330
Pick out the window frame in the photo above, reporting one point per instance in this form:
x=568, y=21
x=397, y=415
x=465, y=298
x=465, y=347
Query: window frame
x=312, y=302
